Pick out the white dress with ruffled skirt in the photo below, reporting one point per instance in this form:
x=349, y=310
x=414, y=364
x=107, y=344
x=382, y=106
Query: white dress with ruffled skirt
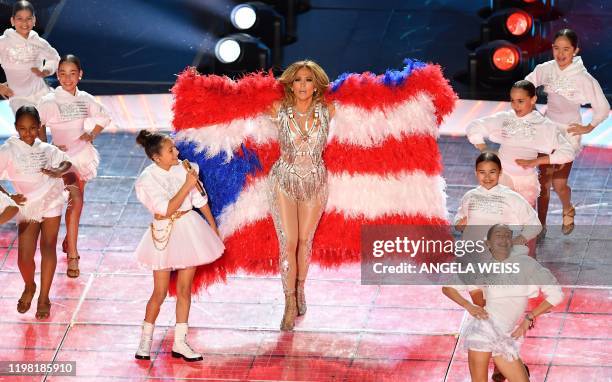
x=21, y=164
x=66, y=116
x=192, y=241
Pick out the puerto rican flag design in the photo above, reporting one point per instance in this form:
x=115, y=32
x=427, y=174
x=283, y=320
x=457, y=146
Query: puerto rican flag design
x=382, y=157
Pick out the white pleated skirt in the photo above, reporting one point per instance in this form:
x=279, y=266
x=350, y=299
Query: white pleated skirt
x=192, y=242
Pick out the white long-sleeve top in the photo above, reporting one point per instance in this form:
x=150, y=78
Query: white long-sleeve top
x=522, y=138
x=507, y=300
x=156, y=186
x=19, y=55
x=6, y=201
x=65, y=115
x=567, y=89
x=21, y=164
x=499, y=205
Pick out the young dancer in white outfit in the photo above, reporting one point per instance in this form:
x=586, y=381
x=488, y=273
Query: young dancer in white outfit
x=8, y=208
x=35, y=169
x=65, y=112
x=568, y=85
x=492, y=203
x=496, y=329
x=26, y=59
x=178, y=239
x=522, y=133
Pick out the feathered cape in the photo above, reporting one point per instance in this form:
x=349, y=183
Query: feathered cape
x=382, y=158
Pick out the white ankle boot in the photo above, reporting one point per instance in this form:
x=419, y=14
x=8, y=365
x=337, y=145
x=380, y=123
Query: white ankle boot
x=180, y=348
x=146, y=339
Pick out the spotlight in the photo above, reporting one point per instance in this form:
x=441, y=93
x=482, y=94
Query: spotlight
x=240, y=53
x=497, y=63
x=243, y=16
x=261, y=20
x=518, y=23
x=227, y=50
x=509, y=24
x=506, y=58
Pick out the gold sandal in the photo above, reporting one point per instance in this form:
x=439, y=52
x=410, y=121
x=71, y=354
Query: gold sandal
x=25, y=301
x=43, y=310
x=73, y=272
x=568, y=228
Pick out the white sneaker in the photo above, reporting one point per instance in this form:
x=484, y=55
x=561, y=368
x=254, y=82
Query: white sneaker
x=180, y=348
x=146, y=339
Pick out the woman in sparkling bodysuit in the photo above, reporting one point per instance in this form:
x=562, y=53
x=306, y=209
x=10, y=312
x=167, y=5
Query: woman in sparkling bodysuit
x=298, y=180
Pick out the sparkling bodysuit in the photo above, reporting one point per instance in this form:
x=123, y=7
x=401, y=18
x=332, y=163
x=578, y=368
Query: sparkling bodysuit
x=300, y=172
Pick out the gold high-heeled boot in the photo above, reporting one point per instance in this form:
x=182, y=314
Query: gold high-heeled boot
x=288, y=321
x=301, y=298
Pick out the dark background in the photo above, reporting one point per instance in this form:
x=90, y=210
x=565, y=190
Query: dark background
x=138, y=46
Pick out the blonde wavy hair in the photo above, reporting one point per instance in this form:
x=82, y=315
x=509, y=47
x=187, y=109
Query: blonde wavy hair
x=321, y=81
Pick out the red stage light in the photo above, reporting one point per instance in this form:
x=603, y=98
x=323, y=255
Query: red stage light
x=505, y=58
x=530, y=1
x=518, y=23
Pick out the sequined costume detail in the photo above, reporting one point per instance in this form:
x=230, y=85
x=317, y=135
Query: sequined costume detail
x=300, y=171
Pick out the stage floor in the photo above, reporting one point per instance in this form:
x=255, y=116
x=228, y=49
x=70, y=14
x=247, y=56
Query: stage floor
x=350, y=333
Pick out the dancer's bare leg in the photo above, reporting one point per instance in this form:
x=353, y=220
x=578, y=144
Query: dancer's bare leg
x=73, y=217
x=309, y=215
x=28, y=233
x=545, y=178
x=161, y=279
x=49, y=229
x=563, y=190
x=286, y=223
x=183, y=293
x=514, y=371
x=479, y=365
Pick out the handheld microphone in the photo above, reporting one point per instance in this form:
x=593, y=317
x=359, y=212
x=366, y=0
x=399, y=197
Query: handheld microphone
x=198, y=185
